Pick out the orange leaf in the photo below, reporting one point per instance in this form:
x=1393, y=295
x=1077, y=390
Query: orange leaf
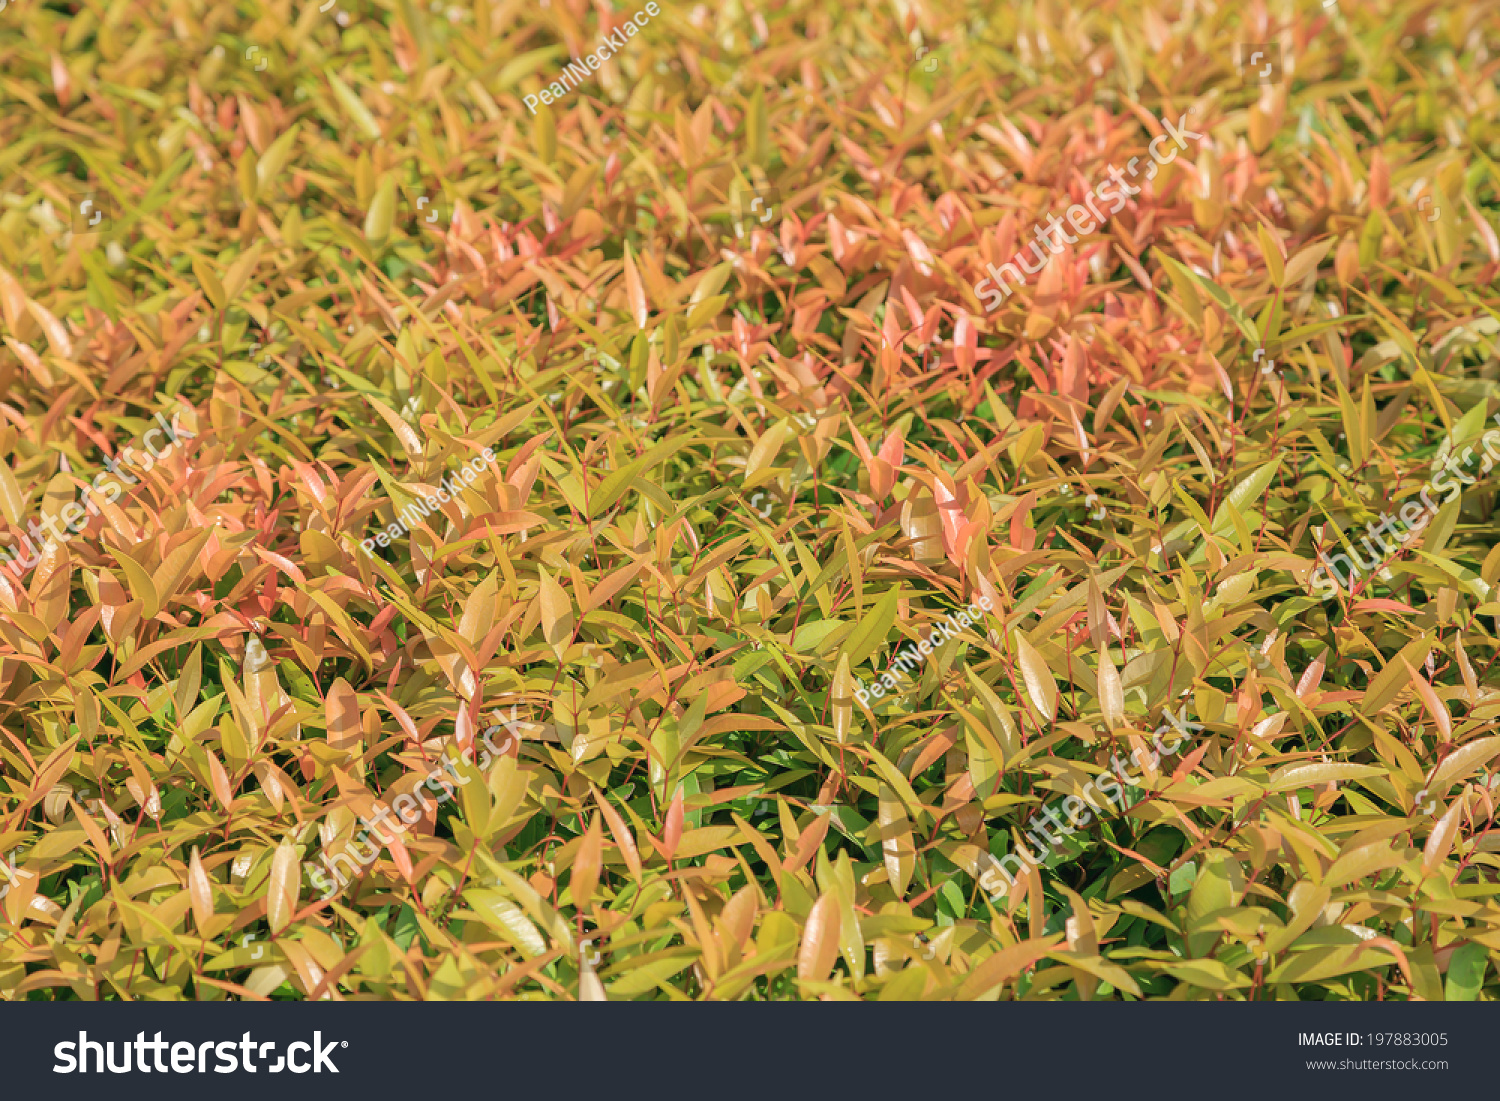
x=820, y=940
x=341, y=708
x=624, y=839
x=1430, y=701
x=586, y=865
x=671, y=833
x=635, y=293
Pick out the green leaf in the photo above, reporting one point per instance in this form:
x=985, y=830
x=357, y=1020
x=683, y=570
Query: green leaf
x=873, y=628
x=1218, y=294
x=1466, y=969
x=356, y=108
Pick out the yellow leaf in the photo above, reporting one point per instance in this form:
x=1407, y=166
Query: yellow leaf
x=382, y=212
x=556, y=609
x=212, y=288
x=409, y=441
x=1387, y=683
x=762, y=454
x=1315, y=773
x=282, y=887
x=1430, y=701
x=356, y=108
x=544, y=134
x=1272, y=254
x=1041, y=688
x=896, y=841
x=12, y=502
x=175, y=566
x=1111, y=693
x=270, y=165
x=200, y=891
x=842, y=698
x=873, y=627
x=57, y=336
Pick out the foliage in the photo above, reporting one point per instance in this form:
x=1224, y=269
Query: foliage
x=733, y=470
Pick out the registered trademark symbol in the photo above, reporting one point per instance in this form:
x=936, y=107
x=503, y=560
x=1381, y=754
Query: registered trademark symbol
x=345, y=1043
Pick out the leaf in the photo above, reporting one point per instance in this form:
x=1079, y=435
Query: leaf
x=820, y=940
x=1461, y=762
x=1430, y=701
x=556, y=610
x=1215, y=888
x=12, y=501
x=1217, y=293
x=1041, y=688
x=1367, y=860
x=1389, y=681
x=341, y=713
x=1317, y=964
x=896, y=845
x=1311, y=775
x=200, y=892
x=1306, y=261
x=1441, y=839
x=672, y=828
x=1243, y=496
x=1466, y=968
x=57, y=336
x=212, y=288
x=382, y=212
x=624, y=840
x=756, y=131
x=282, y=887
x=757, y=465
x=842, y=698
x=635, y=293
x=1111, y=693
x=140, y=584
x=523, y=65
x=1005, y=965
x=357, y=111
x=174, y=568
x=506, y=918
x=873, y=628
x=410, y=443
x=274, y=160
x=617, y=482
x=586, y=865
